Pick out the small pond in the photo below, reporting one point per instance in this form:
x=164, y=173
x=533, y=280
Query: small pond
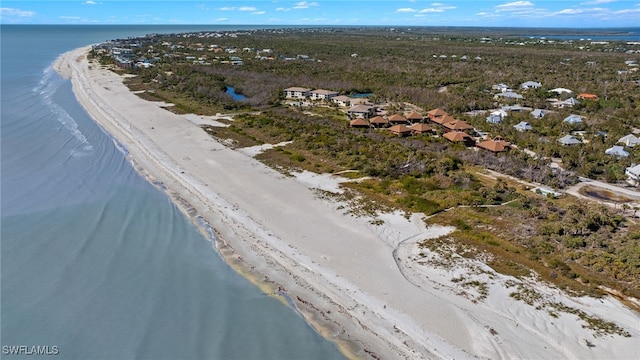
x=603, y=194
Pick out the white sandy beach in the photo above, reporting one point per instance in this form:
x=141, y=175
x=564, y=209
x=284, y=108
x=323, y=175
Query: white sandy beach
x=367, y=287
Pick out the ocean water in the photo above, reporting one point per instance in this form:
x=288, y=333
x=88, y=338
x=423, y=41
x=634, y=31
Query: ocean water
x=96, y=263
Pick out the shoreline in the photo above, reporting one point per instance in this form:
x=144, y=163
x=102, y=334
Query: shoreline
x=339, y=273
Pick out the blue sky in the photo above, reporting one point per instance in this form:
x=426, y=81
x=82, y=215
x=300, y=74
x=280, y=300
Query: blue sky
x=522, y=13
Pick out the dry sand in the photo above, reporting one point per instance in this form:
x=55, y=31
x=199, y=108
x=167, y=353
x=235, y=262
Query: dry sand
x=367, y=287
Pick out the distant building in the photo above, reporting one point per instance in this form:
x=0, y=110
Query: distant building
x=297, y=93
x=617, y=151
x=569, y=140
x=629, y=140
x=530, y=85
x=573, y=119
x=538, y=113
x=522, y=126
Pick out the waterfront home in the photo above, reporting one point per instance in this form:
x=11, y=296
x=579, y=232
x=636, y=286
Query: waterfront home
x=569, y=140
x=321, y=94
x=297, y=93
x=629, y=140
x=617, y=151
x=522, y=126
x=530, y=85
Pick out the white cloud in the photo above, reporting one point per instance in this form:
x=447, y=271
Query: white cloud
x=305, y=5
x=247, y=8
x=282, y=9
x=406, y=10
x=228, y=8
x=13, y=12
x=437, y=8
x=259, y=12
x=222, y=19
x=598, y=2
x=514, y=6
x=90, y=2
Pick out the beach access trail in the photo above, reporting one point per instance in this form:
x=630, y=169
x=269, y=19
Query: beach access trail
x=339, y=271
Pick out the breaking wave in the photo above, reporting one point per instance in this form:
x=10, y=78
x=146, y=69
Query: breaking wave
x=46, y=88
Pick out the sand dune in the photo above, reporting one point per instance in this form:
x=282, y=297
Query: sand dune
x=367, y=287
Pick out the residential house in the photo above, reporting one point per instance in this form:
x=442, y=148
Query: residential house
x=341, y=100
x=561, y=91
x=569, y=140
x=435, y=114
x=400, y=130
x=297, y=93
x=629, y=140
x=570, y=102
x=378, y=121
x=530, y=85
x=494, y=118
x=443, y=119
x=495, y=146
x=633, y=175
x=363, y=111
x=321, y=94
x=617, y=151
x=420, y=128
x=516, y=108
x=397, y=119
x=359, y=122
x=538, y=113
x=573, y=119
x=501, y=87
x=509, y=95
x=414, y=117
x=522, y=126
x=457, y=125
x=458, y=136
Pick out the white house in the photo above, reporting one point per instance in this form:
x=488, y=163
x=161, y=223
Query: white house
x=508, y=95
x=538, y=113
x=342, y=100
x=501, y=87
x=629, y=140
x=633, y=174
x=561, y=91
x=363, y=111
x=321, y=94
x=573, y=119
x=617, y=151
x=569, y=140
x=530, y=85
x=522, y=126
x=297, y=93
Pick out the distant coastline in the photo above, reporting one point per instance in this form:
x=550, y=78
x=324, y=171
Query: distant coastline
x=599, y=34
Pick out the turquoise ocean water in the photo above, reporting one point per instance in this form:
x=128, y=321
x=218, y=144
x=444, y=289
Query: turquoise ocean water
x=96, y=263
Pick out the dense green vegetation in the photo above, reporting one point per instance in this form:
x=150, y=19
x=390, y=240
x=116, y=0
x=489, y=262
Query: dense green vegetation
x=576, y=245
